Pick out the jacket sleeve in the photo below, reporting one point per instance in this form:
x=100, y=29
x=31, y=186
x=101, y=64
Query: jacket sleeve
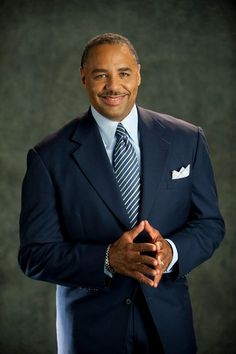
x=44, y=252
x=205, y=229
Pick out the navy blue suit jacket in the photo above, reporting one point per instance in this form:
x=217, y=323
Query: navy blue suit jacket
x=72, y=210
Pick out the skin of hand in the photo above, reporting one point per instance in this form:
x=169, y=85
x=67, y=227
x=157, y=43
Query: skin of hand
x=126, y=257
x=164, y=253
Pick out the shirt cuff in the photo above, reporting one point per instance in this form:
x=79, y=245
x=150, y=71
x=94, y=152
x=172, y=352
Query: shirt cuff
x=174, y=258
x=109, y=274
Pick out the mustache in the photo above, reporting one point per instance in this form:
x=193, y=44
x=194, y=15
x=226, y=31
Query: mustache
x=112, y=93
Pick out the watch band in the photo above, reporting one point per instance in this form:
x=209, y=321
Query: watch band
x=108, y=268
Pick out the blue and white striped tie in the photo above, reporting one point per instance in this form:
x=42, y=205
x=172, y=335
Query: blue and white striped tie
x=126, y=169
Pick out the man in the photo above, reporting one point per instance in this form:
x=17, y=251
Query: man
x=117, y=207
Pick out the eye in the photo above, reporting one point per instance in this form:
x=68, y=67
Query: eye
x=124, y=74
x=100, y=76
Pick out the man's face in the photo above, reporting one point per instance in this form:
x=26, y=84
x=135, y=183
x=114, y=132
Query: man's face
x=111, y=77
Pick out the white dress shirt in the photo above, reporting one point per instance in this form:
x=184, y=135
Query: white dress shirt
x=107, y=129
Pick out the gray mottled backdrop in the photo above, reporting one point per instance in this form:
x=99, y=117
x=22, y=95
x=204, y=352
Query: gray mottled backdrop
x=187, y=51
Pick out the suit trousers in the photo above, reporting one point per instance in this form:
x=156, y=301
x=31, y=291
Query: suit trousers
x=142, y=336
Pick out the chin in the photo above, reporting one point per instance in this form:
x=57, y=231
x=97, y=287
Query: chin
x=112, y=114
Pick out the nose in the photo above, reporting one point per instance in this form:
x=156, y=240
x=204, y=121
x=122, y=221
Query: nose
x=112, y=83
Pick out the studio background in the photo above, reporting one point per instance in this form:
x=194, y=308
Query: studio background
x=187, y=52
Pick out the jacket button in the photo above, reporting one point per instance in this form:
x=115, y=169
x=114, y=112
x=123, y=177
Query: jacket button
x=128, y=301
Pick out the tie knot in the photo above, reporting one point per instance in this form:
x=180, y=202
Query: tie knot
x=121, y=131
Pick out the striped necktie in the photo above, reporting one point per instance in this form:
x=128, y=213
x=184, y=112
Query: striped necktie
x=126, y=169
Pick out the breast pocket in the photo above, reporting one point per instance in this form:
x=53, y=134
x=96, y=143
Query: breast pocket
x=179, y=183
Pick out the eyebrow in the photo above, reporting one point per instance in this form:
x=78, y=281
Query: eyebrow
x=124, y=69
x=95, y=71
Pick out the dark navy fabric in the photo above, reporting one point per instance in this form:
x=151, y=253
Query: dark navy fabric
x=72, y=210
x=142, y=336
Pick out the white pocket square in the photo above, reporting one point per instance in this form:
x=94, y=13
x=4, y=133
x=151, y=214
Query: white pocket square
x=182, y=173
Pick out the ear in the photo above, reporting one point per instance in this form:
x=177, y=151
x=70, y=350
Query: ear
x=139, y=74
x=82, y=75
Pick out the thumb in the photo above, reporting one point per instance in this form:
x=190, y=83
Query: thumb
x=136, y=231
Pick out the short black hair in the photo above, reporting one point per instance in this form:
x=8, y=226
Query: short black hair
x=107, y=38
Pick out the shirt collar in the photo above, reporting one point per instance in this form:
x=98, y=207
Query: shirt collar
x=107, y=127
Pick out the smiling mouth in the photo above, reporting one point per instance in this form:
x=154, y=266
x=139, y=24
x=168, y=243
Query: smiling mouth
x=115, y=100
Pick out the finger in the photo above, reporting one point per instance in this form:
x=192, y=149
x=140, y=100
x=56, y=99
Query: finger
x=143, y=247
x=144, y=269
x=141, y=278
x=159, y=246
x=151, y=231
x=157, y=279
x=161, y=262
x=136, y=231
x=148, y=227
x=161, y=258
x=165, y=252
x=152, y=261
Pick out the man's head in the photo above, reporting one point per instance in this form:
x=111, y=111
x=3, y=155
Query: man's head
x=110, y=73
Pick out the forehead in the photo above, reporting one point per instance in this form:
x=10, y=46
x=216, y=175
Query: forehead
x=110, y=54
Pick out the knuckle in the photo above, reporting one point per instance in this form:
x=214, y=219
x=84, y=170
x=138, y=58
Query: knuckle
x=128, y=247
x=125, y=234
x=139, y=277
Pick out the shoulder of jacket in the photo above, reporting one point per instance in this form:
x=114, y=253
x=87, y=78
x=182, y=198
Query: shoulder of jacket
x=62, y=134
x=169, y=122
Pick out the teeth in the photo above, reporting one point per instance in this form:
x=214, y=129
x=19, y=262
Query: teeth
x=113, y=100
x=117, y=96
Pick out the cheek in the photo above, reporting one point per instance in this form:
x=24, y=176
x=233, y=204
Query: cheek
x=134, y=89
x=133, y=85
x=95, y=88
x=91, y=89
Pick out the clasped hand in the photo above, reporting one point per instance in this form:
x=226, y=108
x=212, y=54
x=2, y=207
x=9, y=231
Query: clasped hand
x=131, y=259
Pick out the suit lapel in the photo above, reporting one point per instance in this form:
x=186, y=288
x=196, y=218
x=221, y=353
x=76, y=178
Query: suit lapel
x=154, y=143
x=92, y=159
